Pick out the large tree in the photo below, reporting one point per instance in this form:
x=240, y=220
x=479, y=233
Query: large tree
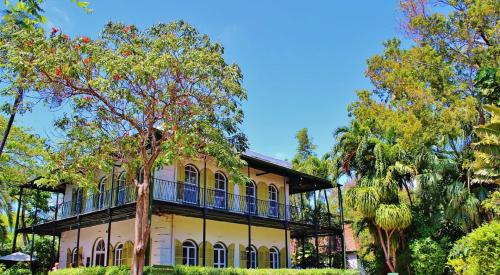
x=143, y=99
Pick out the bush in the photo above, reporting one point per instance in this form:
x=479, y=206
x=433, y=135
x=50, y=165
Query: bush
x=185, y=270
x=427, y=257
x=14, y=270
x=476, y=252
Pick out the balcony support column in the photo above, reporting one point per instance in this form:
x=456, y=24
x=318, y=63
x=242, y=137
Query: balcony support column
x=344, y=259
x=110, y=214
x=303, y=250
x=33, y=222
x=54, y=230
x=78, y=219
x=316, y=241
x=204, y=210
x=249, y=255
x=286, y=223
x=19, y=206
x=329, y=250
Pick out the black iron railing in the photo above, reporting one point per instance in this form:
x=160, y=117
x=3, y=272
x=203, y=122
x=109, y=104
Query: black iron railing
x=191, y=195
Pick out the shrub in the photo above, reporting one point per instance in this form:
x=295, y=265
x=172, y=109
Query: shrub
x=476, y=252
x=186, y=270
x=427, y=257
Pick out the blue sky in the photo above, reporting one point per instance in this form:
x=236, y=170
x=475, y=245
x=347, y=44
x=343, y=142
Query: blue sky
x=302, y=60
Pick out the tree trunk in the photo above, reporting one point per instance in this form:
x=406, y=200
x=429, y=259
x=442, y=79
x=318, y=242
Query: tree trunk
x=386, y=250
x=142, y=226
x=13, y=112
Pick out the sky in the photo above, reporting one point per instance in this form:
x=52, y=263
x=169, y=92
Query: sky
x=302, y=61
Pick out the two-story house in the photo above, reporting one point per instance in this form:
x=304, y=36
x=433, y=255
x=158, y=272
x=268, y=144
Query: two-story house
x=193, y=203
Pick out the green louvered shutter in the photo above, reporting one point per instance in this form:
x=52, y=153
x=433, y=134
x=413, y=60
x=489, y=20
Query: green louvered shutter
x=128, y=248
x=178, y=252
x=243, y=256
x=111, y=254
x=263, y=257
x=281, y=207
x=210, y=188
x=210, y=254
x=283, y=260
x=263, y=196
x=80, y=256
x=202, y=185
x=68, y=258
x=180, y=171
x=230, y=255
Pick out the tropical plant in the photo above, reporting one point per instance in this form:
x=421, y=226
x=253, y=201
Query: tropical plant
x=427, y=257
x=475, y=252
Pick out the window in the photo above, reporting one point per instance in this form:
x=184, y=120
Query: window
x=251, y=197
x=102, y=194
x=219, y=255
x=189, y=253
x=120, y=194
x=252, y=257
x=220, y=190
x=99, y=253
x=118, y=260
x=74, y=257
x=274, y=257
x=273, y=201
x=190, y=184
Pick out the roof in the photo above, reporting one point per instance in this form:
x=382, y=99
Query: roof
x=298, y=182
x=351, y=244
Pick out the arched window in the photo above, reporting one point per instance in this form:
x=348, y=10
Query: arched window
x=190, y=184
x=252, y=257
x=274, y=258
x=220, y=255
x=273, y=201
x=118, y=259
x=99, y=253
x=101, y=200
x=189, y=253
x=74, y=257
x=120, y=189
x=220, y=190
x=251, y=197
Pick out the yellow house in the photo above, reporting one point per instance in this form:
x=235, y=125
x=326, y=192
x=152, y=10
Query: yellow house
x=198, y=217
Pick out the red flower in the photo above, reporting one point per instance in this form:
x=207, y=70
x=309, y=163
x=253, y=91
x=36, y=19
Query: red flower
x=58, y=71
x=126, y=53
x=86, y=60
x=85, y=39
x=54, y=31
x=117, y=77
x=126, y=29
x=77, y=47
x=88, y=98
x=66, y=37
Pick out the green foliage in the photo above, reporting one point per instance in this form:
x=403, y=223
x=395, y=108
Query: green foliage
x=476, y=252
x=190, y=270
x=427, y=257
x=17, y=269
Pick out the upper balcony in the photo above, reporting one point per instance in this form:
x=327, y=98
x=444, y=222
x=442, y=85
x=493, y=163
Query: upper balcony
x=185, y=199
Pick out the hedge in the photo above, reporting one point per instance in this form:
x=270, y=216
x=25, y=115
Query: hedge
x=186, y=270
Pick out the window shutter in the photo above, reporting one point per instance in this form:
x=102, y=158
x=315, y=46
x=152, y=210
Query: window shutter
x=281, y=207
x=80, y=256
x=243, y=256
x=262, y=191
x=283, y=258
x=230, y=255
x=260, y=257
x=68, y=258
x=180, y=171
x=210, y=187
x=210, y=255
x=243, y=189
x=128, y=248
x=202, y=185
x=178, y=252
x=111, y=254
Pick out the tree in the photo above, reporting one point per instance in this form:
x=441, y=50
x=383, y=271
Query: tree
x=143, y=99
x=25, y=14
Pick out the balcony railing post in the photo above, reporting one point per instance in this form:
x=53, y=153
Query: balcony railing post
x=54, y=230
x=316, y=242
x=110, y=212
x=33, y=231
x=19, y=205
x=344, y=259
x=204, y=210
x=286, y=222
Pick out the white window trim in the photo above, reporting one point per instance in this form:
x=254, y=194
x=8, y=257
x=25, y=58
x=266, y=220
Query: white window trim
x=220, y=251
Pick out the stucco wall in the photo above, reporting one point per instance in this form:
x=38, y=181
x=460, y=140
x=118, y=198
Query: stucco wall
x=168, y=228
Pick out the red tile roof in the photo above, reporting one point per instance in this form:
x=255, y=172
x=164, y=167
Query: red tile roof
x=351, y=243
